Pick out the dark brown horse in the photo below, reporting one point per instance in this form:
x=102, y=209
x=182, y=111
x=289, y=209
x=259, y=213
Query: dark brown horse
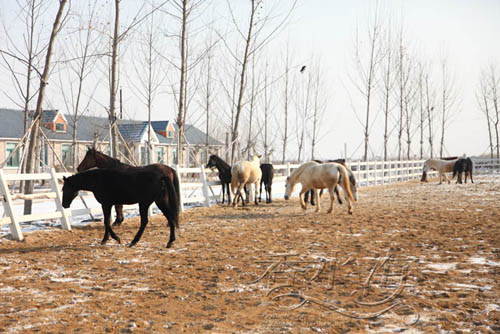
x=267, y=180
x=224, y=175
x=463, y=165
x=127, y=186
x=94, y=158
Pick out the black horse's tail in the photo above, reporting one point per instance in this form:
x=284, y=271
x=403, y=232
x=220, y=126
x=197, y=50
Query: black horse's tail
x=177, y=187
x=173, y=199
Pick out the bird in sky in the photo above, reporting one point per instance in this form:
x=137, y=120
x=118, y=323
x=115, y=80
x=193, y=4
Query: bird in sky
x=303, y=69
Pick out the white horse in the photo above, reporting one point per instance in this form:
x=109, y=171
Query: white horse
x=245, y=172
x=442, y=166
x=313, y=175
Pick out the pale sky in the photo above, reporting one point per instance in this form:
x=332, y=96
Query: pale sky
x=466, y=30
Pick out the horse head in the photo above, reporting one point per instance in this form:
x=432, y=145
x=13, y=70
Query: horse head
x=289, y=186
x=88, y=161
x=212, y=161
x=69, y=192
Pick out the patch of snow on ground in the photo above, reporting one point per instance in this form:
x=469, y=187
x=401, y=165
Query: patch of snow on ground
x=483, y=261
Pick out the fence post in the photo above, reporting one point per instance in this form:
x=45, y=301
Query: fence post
x=287, y=169
x=66, y=225
x=359, y=171
x=390, y=172
x=181, y=199
x=205, y=186
x=15, y=229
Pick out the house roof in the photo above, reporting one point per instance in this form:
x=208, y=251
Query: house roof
x=89, y=127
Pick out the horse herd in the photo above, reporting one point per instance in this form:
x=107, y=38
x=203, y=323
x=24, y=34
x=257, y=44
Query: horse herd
x=114, y=183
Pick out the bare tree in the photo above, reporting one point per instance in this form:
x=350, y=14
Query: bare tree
x=82, y=53
x=150, y=72
x=319, y=107
x=254, y=40
x=367, y=63
x=388, y=81
x=448, y=101
x=429, y=106
x=28, y=54
x=490, y=87
x=483, y=98
x=30, y=160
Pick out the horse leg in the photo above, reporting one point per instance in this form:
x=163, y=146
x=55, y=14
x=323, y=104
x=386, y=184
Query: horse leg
x=301, y=198
x=143, y=210
x=338, y=196
x=228, y=193
x=119, y=215
x=257, y=189
x=268, y=191
x=331, y=191
x=260, y=191
x=106, y=210
x=316, y=198
x=238, y=195
x=163, y=206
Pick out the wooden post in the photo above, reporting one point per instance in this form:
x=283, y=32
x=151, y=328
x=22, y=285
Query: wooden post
x=66, y=225
x=287, y=169
x=15, y=229
x=205, y=186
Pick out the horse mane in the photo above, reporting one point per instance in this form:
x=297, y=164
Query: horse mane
x=220, y=161
x=297, y=172
x=113, y=162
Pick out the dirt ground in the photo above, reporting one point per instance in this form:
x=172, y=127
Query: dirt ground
x=413, y=258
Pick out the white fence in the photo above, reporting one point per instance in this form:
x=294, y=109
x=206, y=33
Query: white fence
x=200, y=185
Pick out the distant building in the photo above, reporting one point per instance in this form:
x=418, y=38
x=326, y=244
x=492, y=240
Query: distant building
x=94, y=131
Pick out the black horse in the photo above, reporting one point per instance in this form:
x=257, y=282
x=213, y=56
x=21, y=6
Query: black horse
x=126, y=186
x=267, y=180
x=94, y=158
x=463, y=165
x=224, y=175
x=352, y=181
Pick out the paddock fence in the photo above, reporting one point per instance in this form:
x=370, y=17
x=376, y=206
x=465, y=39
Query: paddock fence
x=198, y=186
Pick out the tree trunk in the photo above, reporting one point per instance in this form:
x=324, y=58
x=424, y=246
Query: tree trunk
x=31, y=158
x=239, y=105
x=182, y=112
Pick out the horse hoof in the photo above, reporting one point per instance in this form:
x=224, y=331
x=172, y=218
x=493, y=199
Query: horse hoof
x=116, y=224
x=104, y=242
x=132, y=244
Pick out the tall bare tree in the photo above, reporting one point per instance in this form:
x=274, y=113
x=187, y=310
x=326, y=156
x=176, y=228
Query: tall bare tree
x=32, y=154
x=483, y=99
x=448, y=101
x=150, y=71
x=82, y=53
x=367, y=62
x=254, y=39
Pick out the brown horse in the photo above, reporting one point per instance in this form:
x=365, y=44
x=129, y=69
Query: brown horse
x=94, y=158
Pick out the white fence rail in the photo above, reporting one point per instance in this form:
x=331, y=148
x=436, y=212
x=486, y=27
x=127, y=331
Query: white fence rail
x=197, y=187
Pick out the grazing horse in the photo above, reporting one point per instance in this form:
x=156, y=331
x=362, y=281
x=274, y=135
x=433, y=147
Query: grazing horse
x=245, y=172
x=352, y=181
x=463, y=165
x=442, y=166
x=267, y=180
x=126, y=186
x=94, y=158
x=224, y=175
x=313, y=175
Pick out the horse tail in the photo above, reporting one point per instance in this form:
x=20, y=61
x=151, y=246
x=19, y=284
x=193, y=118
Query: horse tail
x=455, y=170
x=173, y=199
x=345, y=182
x=177, y=186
